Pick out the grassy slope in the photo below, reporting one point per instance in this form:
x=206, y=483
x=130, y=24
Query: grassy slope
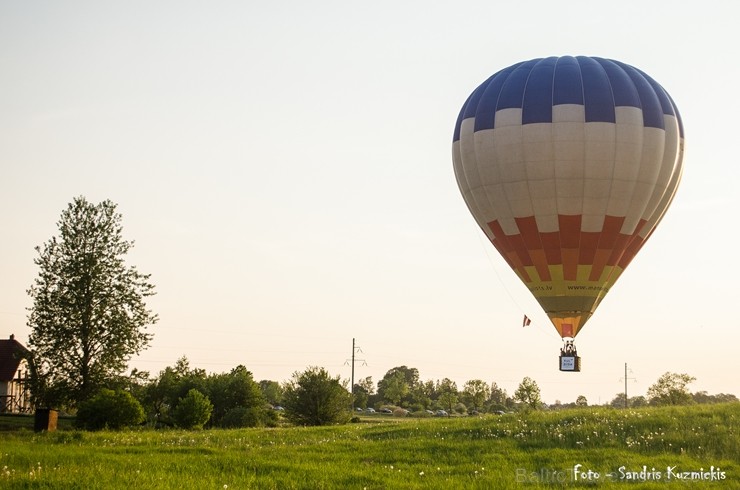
x=511, y=451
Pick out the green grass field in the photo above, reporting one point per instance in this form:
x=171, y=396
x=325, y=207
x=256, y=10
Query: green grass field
x=652, y=446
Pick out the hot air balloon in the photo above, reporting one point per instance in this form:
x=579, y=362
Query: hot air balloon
x=568, y=164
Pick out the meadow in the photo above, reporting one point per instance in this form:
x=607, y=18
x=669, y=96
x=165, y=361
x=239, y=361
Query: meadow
x=670, y=447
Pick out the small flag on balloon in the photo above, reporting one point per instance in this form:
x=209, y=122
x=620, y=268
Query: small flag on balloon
x=526, y=321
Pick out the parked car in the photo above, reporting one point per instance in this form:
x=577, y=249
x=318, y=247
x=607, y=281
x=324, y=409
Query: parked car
x=441, y=413
x=386, y=410
x=370, y=410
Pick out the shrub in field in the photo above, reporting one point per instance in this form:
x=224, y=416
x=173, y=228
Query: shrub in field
x=110, y=409
x=240, y=417
x=313, y=397
x=225, y=391
x=193, y=411
x=249, y=417
x=234, y=390
x=161, y=395
x=400, y=412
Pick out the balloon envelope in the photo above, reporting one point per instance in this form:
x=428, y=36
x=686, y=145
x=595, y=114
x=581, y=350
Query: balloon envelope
x=567, y=164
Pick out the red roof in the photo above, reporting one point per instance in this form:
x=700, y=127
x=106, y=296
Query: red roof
x=11, y=354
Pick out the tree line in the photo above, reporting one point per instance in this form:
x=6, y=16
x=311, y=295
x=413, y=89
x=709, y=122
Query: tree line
x=187, y=397
x=89, y=317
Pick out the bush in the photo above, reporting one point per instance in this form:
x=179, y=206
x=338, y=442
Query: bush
x=110, y=409
x=234, y=390
x=313, y=397
x=249, y=417
x=242, y=417
x=193, y=411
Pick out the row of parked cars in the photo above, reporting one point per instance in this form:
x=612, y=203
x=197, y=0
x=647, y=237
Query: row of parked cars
x=370, y=410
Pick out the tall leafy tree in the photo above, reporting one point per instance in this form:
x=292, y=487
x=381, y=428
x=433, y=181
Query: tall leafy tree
x=447, y=392
x=410, y=376
x=498, y=398
x=395, y=387
x=671, y=389
x=272, y=391
x=528, y=393
x=475, y=393
x=89, y=314
x=423, y=394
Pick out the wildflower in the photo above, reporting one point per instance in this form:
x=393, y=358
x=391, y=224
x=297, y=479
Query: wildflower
x=421, y=473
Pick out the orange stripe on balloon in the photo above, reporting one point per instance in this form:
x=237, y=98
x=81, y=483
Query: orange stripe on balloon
x=600, y=261
x=587, y=247
x=570, y=236
x=533, y=243
x=540, y=263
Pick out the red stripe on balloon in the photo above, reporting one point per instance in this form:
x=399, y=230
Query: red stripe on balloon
x=634, y=246
x=607, y=242
x=569, y=247
x=504, y=245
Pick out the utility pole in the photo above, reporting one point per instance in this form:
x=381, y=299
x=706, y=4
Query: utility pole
x=352, y=389
x=625, y=384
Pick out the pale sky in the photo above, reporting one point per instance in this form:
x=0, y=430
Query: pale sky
x=285, y=171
